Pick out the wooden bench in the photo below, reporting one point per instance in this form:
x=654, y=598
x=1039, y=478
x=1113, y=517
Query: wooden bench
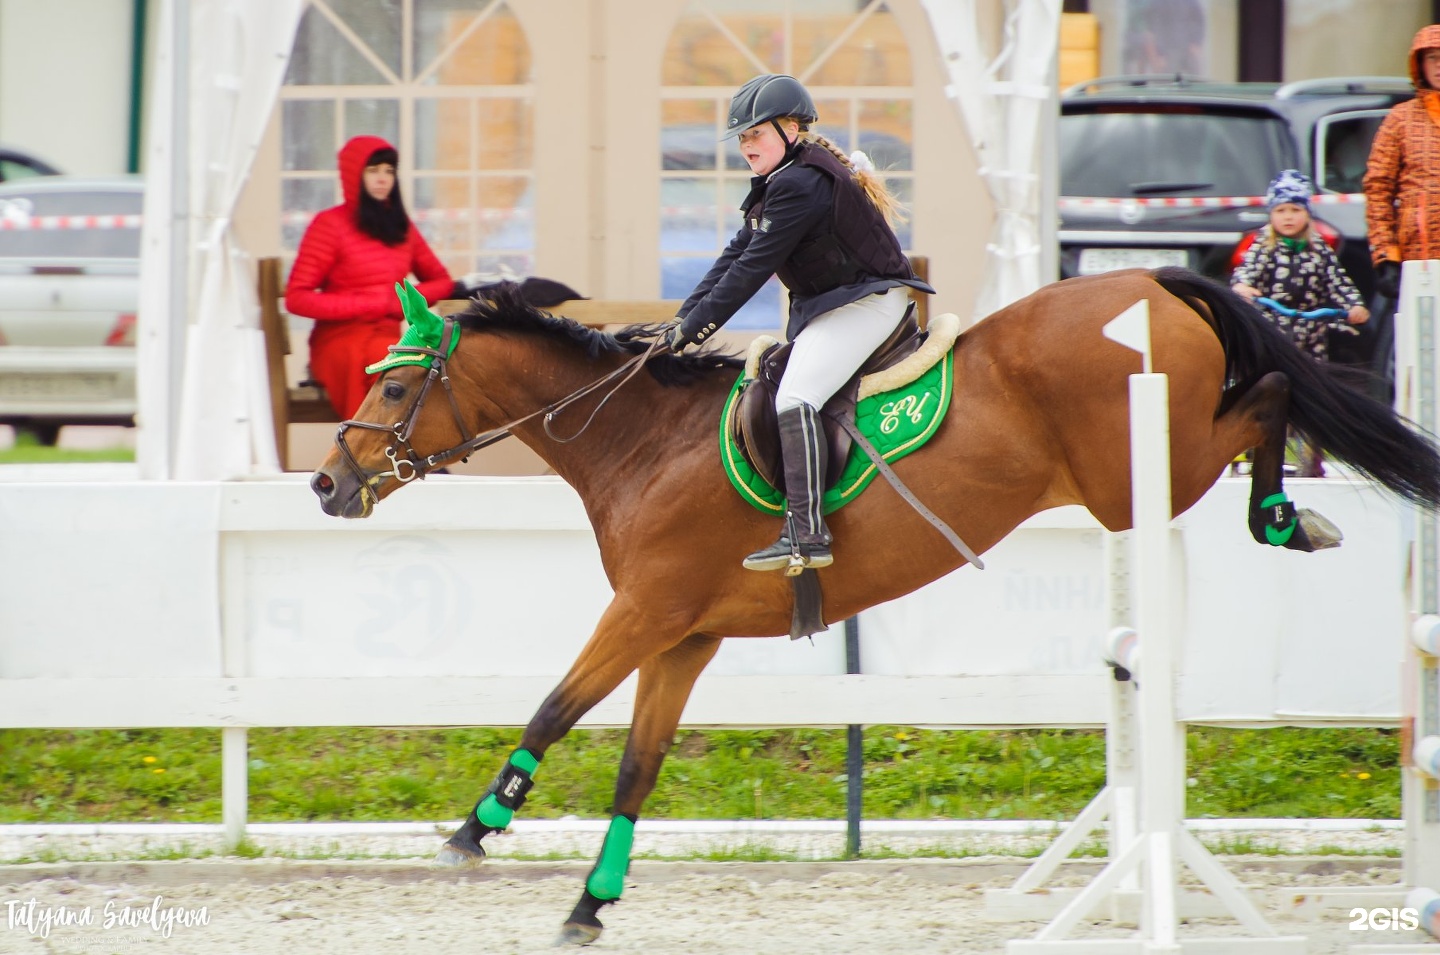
x=307, y=403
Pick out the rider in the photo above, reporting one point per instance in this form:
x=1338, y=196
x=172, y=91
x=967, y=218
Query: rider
x=820, y=221
x=1291, y=264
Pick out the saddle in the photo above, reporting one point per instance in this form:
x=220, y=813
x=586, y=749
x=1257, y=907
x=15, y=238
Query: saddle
x=755, y=430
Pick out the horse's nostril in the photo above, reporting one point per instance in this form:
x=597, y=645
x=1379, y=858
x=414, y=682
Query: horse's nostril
x=321, y=484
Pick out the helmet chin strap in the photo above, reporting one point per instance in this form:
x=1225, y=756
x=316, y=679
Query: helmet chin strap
x=790, y=144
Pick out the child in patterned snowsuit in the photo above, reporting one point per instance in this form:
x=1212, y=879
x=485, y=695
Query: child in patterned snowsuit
x=1291, y=263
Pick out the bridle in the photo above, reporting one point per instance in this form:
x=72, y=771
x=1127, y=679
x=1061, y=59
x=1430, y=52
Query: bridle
x=406, y=464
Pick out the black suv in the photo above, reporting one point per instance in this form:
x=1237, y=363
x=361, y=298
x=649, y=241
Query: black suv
x=1150, y=149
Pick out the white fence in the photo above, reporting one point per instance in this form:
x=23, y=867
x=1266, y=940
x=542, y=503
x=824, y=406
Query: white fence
x=464, y=599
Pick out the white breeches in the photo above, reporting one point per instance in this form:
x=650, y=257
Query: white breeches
x=832, y=346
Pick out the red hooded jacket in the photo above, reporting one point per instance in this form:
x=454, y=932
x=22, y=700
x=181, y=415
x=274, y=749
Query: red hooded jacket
x=345, y=280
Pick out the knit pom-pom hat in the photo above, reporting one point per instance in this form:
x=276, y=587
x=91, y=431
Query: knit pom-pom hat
x=1290, y=186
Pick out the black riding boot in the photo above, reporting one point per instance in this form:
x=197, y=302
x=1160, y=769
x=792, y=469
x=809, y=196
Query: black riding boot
x=804, y=542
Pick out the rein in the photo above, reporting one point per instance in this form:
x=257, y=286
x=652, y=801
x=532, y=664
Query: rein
x=406, y=464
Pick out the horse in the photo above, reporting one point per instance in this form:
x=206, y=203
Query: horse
x=1039, y=418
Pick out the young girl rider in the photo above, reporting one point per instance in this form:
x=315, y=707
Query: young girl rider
x=1290, y=263
x=823, y=226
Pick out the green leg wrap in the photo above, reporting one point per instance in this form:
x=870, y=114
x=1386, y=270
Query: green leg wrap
x=1278, y=536
x=507, y=792
x=607, y=879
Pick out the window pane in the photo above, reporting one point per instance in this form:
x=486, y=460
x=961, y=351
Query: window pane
x=904, y=192
x=885, y=133
x=874, y=54
x=377, y=24
x=834, y=122
x=507, y=210
x=322, y=56
x=442, y=134
x=307, y=133
x=373, y=117
x=688, y=213
x=1121, y=154
x=10, y=170
x=689, y=137
x=506, y=132
x=1346, y=151
x=700, y=54
x=300, y=199
x=492, y=51
x=445, y=212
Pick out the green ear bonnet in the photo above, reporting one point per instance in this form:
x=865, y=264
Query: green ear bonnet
x=424, y=331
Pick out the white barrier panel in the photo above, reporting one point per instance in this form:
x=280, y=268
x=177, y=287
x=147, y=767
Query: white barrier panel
x=463, y=600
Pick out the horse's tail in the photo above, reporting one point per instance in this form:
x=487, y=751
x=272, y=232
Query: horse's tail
x=1331, y=413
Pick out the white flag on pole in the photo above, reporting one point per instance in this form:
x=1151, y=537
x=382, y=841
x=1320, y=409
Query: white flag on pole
x=1131, y=328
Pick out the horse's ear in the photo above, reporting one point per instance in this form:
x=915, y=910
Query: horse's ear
x=417, y=311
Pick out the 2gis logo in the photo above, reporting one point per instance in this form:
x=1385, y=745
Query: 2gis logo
x=1400, y=920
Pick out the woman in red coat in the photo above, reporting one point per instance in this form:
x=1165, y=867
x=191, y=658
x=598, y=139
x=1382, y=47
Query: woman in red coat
x=345, y=273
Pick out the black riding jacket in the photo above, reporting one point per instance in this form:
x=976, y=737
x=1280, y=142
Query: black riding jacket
x=810, y=223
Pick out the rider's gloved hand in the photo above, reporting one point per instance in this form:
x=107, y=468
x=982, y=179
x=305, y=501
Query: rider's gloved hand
x=672, y=337
x=1387, y=279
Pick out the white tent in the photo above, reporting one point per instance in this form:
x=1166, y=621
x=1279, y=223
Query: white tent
x=203, y=397
x=203, y=393
x=1008, y=103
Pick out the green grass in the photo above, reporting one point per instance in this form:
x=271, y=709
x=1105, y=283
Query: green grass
x=27, y=450
x=354, y=774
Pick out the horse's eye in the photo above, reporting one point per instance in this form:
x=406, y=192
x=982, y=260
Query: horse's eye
x=393, y=390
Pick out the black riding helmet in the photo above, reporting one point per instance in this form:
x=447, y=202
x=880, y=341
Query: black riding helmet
x=771, y=96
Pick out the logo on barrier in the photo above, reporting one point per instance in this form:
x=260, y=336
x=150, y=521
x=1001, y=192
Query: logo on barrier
x=1400, y=920
x=416, y=599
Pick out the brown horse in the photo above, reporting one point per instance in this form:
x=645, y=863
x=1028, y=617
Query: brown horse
x=1039, y=419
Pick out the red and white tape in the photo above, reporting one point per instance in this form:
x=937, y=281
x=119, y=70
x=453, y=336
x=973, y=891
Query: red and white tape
x=48, y=223
x=1197, y=202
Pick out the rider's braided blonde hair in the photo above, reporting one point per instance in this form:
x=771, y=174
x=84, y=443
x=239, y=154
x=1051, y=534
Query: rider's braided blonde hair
x=870, y=182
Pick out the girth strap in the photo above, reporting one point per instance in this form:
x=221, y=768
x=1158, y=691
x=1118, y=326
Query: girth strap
x=907, y=495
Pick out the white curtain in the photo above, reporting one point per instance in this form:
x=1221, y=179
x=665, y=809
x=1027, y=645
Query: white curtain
x=204, y=396
x=1008, y=101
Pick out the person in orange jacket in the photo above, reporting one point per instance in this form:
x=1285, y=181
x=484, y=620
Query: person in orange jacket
x=344, y=275
x=1402, y=177
x=1402, y=185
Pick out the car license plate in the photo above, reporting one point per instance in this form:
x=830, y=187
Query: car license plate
x=66, y=386
x=1095, y=261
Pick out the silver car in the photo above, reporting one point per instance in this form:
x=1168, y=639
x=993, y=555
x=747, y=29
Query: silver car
x=69, y=284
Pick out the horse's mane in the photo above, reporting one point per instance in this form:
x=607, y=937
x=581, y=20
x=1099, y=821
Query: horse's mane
x=504, y=308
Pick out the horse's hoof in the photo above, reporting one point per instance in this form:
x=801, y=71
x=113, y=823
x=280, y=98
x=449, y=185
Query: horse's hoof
x=575, y=933
x=456, y=857
x=1317, y=530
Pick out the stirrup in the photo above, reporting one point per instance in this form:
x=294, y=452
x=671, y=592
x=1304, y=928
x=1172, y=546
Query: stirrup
x=789, y=557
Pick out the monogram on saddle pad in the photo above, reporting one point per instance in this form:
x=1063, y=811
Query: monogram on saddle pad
x=896, y=401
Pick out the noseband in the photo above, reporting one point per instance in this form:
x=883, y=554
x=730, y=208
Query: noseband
x=406, y=464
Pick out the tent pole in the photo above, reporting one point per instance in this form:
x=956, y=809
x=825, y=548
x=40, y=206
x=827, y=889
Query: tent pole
x=179, y=310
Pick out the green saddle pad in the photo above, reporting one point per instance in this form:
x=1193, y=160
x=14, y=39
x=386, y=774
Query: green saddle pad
x=895, y=422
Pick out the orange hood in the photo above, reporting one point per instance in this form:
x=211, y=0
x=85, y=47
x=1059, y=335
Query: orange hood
x=1427, y=38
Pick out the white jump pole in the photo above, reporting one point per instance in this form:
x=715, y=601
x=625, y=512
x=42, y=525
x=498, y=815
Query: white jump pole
x=1162, y=841
x=1417, y=396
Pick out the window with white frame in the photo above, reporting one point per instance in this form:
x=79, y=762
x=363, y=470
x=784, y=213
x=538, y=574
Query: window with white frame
x=854, y=60
x=449, y=82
